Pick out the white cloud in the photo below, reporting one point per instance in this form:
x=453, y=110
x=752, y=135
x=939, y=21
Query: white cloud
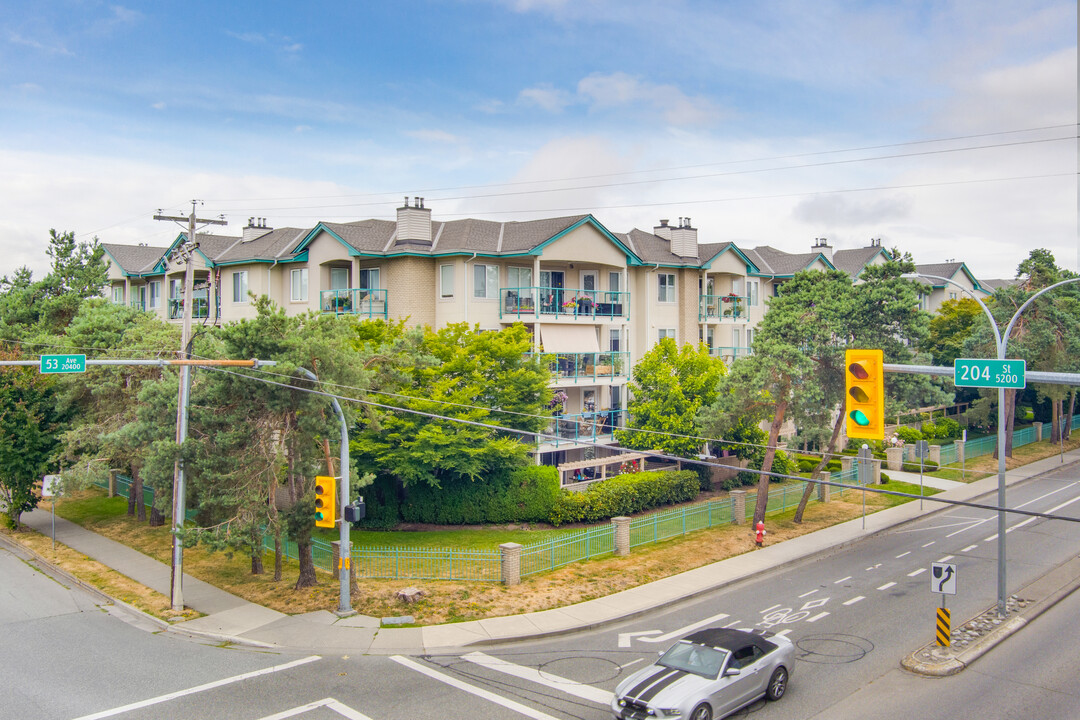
x=434, y=136
x=621, y=90
x=844, y=210
x=278, y=42
x=159, y=105
x=55, y=48
x=545, y=97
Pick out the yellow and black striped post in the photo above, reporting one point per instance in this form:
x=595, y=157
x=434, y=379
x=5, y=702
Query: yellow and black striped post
x=943, y=632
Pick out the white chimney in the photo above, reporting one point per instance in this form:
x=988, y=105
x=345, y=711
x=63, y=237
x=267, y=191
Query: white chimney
x=413, y=224
x=255, y=228
x=821, y=245
x=663, y=230
x=684, y=239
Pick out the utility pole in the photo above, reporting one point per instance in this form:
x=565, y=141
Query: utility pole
x=185, y=252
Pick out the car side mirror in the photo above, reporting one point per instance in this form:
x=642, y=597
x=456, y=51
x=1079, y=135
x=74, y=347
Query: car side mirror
x=732, y=671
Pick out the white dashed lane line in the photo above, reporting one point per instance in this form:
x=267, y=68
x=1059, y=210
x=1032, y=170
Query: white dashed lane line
x=843, y=579
x=886, y=586
x=920, y=571
x=947, y=558
x=855, y=599
x=929, y=543
x=816, y=617
x=969, y=547
x=903, y=554
x=806, y=594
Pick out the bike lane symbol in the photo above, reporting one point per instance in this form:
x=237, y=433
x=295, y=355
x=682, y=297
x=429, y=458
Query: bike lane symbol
x=786, y=615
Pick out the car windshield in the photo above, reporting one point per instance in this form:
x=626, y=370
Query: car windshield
x=691, y=657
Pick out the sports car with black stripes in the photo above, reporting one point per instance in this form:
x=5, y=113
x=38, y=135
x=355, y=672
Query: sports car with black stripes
x=708, y=674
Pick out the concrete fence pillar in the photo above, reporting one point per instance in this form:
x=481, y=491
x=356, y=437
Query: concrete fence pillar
x=622, y=535
x=738, y=506
x=510, y=563
x=1038, y=430
x=935, y=454
x=894, y=458
x=112, y=482
x=824, y=492
x=959, y=444
x=846, y=463
x=876, y=471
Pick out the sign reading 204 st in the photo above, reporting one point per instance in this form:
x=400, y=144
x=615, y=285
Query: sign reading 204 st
x=971, y=372
x=63, y=363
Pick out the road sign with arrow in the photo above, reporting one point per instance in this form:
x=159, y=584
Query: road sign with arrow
x=943, y=578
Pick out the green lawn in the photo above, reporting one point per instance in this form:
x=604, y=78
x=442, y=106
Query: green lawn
x=897, y=486
x=465, y=538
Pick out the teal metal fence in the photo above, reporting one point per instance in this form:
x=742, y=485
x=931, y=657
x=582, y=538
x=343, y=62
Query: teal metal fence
x=571, y=547
x=427, y=563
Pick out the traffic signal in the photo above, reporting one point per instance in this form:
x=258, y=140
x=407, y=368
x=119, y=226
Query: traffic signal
x=325, y=488
x=864, y=378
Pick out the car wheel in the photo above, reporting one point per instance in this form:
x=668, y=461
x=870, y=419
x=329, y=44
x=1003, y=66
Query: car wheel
x=777, y=684
x=702, y=712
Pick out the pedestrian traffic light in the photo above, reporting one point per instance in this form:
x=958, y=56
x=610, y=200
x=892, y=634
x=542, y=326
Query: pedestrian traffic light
x=864, y=378
x=325, y=487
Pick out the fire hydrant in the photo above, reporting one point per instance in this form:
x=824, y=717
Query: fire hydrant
x=759, y=536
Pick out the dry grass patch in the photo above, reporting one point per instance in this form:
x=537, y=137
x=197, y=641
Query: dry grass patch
x=1022, y=455
x=104, y=578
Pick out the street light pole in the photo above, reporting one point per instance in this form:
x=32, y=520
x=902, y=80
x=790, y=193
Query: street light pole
x=1002, y=341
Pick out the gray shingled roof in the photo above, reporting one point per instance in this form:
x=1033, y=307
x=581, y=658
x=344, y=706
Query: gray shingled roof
x=946, y=270
x=854, y=260
x=778, y=262
x=997, y=283
x=277, y=244
x=135, y=258
x=655, y=249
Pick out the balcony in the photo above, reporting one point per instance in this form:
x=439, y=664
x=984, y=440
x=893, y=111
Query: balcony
x=585, y=367
x=563, y=303
x=139, y=305
x=354, y=301
x=201, y=309
x=728, y=354
x=732, y=308
x=587, y=426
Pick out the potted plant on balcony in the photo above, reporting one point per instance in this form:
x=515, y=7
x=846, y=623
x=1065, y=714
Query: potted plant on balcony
x=558, y=402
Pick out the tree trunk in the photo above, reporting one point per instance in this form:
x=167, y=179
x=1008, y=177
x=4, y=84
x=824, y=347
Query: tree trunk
x=277, y=555
x=257, y=551
x=137, y=491
x=131, y=497
x=816, y=475
x=1055, y=419
x=766, y=464
x=307, y=565
x=157, y=518
x=1072, y=409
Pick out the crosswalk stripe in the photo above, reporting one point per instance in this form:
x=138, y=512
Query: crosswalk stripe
x=479, y=692
x=570, y=687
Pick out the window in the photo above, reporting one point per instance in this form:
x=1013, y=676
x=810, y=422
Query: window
x=118, y=294
x=299, y=284
x=239, y=286
x=952, y=296
x=519, y=278
x=369, y=279
x=665, y=286
x=750, y=339
x=735, y=337
x=155, y=293
x=339, y=278
x=446, y=281
x=614, y=281
x=752, y=292
x=665, y=333
x=485, y=281
x=176, y=289
x=710, y=337
x=614, y=341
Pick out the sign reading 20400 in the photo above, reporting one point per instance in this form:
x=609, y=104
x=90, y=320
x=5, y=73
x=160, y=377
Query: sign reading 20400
x=972, y=372
x=63, y=363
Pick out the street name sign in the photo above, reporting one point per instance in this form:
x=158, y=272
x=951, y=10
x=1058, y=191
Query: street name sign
x=943, y=578
x=977, y=372
x=63, y=363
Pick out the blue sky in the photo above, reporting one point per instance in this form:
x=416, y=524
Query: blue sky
x=732, y=113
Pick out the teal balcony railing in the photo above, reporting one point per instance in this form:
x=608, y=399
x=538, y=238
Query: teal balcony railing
x=139, y=305
x=729, y=353
x=201, y=309
x=590, y=426
x=530, y=302
x=585, y=367
x=723, y=307
x=354, y=301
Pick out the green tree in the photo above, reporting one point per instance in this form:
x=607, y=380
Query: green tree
x=950, y=328
x=670, y=386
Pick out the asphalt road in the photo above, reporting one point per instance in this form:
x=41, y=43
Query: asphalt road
x=853, y=615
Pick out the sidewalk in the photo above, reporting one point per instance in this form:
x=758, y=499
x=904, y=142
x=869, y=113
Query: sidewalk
x=230, y=618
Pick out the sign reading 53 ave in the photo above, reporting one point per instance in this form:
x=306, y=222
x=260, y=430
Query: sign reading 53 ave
x=63, y=363
x=971, y=372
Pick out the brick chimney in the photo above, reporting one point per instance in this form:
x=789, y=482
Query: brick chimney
x=413, y=224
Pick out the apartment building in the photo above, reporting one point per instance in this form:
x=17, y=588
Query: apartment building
x=594, y=300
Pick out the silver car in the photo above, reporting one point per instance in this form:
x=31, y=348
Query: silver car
x=708, y=674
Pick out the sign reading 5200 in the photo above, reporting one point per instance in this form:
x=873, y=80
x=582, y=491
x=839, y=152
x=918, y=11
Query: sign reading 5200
x=973, y=372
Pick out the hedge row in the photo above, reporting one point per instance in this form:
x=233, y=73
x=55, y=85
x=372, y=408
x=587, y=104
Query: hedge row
x=625, y=494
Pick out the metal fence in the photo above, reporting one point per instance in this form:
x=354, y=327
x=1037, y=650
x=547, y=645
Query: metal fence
x=564, y=549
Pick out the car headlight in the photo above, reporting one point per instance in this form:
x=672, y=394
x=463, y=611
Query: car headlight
x=670, y=712
x=622, y=702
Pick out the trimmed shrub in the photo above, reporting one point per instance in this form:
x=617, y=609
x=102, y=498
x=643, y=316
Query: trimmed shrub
x=884, y=478
x=949, y=428
x=524, y=495
x=624, y=495
x=908, y=434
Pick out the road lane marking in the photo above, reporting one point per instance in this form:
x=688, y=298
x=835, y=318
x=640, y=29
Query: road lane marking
x=929, y=543
x=817, y=617
x=903, y=554
x=771, y=607
x=886, y=586
x=947, y=558
x=855, y=599
x=920, y=571
x=733, y=623
x=197, y=689
x=625, y=638
x=1020, y=524
x=992, y=537
x=683, y=631
x=969, y=547
x=632, y=662
x=782, y=633
x=806, y=594
x=837, y=582
x=330, y=703
x=479, y=692
x=973, y=524
x=570, y=687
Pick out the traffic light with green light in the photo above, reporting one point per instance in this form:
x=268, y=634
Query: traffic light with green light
x=864, y=401
x=325, y=488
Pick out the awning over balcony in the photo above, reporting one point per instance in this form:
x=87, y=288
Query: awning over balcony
x=569, y=339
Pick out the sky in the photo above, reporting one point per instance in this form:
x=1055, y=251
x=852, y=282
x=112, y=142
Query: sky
x=946, y=129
